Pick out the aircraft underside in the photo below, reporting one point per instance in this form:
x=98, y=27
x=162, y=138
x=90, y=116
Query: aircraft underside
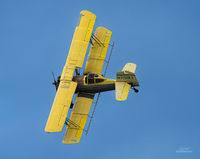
x=94, y=88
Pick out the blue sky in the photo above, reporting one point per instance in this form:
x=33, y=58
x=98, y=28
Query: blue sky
x=161, y=37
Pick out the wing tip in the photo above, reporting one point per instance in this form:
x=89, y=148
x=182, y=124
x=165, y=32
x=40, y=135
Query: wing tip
x=104, y=29
x=49, y=130
x=72, y=141
x=86, y=12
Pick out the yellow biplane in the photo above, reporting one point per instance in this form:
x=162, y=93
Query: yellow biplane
x=87, y=85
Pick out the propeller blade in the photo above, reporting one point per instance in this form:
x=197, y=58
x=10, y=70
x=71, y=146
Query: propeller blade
x=53, y=77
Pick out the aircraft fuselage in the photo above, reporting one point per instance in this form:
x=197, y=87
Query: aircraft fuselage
x=93, y=87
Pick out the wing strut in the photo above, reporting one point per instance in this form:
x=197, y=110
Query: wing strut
x=97, y=40
x=107, y=62
x=95, y=105
x=70, y=123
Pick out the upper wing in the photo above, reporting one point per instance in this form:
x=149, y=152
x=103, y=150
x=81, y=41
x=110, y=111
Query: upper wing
x=98, y=50
x=75, y=59
x=79, y=44
x=78, y=118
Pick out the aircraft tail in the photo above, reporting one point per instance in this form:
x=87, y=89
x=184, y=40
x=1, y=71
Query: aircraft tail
x=125, y=80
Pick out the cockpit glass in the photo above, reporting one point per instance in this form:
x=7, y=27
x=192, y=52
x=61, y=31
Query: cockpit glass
x=91, y=75
x=99, y=80
x=90, y=80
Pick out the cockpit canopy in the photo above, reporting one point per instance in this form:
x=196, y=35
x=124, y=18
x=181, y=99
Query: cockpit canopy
x=92, y=75
x=93, y=78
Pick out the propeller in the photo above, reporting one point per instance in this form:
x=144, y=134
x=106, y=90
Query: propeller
x=54, y=80
x=56, y=83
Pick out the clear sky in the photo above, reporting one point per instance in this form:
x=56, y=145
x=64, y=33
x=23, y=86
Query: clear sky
x=161, y=37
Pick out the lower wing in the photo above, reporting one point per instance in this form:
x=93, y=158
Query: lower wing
x=78, y=118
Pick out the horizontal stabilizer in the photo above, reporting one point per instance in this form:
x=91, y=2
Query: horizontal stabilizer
x=121, y=90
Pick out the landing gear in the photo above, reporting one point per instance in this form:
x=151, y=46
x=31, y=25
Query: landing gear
x=136, y=90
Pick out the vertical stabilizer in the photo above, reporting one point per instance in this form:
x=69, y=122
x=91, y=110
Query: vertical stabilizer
x=129, y=67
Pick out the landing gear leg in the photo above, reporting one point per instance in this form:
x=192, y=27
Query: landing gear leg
x=136, y=90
